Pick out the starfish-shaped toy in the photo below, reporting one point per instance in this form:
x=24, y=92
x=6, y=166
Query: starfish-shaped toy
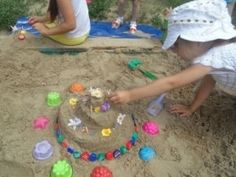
x=41, y=122
x=14, y=29
x=74, y=123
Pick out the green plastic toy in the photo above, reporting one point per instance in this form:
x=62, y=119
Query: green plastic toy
x=134, y=64
x=53, y=99
x=61, y=169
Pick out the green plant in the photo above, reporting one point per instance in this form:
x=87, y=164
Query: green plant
x=99, y=8
x=161, y=22
x=10, y=10
x=174, y=3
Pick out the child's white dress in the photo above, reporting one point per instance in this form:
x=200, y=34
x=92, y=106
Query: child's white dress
x=223, y=60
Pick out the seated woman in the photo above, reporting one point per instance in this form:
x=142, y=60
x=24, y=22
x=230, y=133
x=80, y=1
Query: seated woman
x=67, y=21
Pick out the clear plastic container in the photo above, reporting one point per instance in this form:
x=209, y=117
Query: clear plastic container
x=156, y=106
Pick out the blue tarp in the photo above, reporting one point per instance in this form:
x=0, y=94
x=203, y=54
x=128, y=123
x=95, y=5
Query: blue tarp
x=100, y=29
x=105, y=29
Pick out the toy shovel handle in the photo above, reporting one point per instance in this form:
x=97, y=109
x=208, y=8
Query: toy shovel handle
x=148, y=74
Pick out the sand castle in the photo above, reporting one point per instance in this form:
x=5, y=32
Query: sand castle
x=95, y=117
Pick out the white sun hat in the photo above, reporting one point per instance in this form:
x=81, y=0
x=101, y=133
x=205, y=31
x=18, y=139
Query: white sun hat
x=199, y=21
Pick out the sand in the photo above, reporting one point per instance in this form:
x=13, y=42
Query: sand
x=200, y=146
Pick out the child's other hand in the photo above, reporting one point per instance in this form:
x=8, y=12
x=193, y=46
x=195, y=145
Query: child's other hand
x=35, y=19
x=182, y=110
x=120, y=97
x=41, y=28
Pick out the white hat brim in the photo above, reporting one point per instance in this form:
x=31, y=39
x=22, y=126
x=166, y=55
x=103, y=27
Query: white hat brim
x=171, y=38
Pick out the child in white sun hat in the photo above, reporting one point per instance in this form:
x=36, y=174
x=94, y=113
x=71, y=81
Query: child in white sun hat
x=199, y=31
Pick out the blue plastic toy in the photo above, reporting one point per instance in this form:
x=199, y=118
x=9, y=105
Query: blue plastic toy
x=147, y=153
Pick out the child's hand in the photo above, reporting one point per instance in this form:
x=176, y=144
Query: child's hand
x=35, y=19
x=120, y=97
x=41, y=28
x=182, y=110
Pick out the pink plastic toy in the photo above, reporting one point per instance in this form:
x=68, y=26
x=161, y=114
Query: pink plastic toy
x=151, y=127
x=41, y=122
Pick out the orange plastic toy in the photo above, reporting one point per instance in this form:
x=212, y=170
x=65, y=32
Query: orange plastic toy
x=76, y=88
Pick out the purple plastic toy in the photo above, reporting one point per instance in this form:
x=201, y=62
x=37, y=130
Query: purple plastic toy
x=155, y=107
x=42, y=150
x=151, y=128
x=105, y=106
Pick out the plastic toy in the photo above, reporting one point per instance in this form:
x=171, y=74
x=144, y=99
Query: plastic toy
x=74, y=123
x=101, y=156
x=109, y=155
x=61, y=169
x=85, y=156
x=42, y=150
x=41, y=122
x=73, y=101
x=155, y=107
x=76, y=154
x=96, y=92
x=105, y=106
x=76, y=88
x=21, y=36
x=123, y=150
x=53, y=99
x=116, y=153
x=134, y=64
x=97, y=109
x=106, y=132
x=147, y=153
x=128, y=145
x=101, y=171
x=151, y=128
x=120, y=118
x=90, y=156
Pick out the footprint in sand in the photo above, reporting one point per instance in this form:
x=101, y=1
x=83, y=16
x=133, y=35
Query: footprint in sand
x=14, y=169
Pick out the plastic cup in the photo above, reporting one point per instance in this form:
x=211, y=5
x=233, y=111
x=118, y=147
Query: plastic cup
x=61, y=169
x=53, y=99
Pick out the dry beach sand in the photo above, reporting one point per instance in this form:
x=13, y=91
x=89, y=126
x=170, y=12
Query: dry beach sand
x=203, y=145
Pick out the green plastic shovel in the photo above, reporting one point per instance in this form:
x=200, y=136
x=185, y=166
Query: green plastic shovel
x=134, y=64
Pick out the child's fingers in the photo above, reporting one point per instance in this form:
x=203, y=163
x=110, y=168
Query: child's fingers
x=175, y=108
x=181, y=110
x=31, y=20
x=185, y=114
x=114, y=98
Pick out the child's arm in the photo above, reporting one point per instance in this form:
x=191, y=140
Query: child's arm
x=187, y=76
x=204, y=91
x=67, y=25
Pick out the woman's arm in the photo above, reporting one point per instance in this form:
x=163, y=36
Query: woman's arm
x=187, y=76
x=66, y=9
